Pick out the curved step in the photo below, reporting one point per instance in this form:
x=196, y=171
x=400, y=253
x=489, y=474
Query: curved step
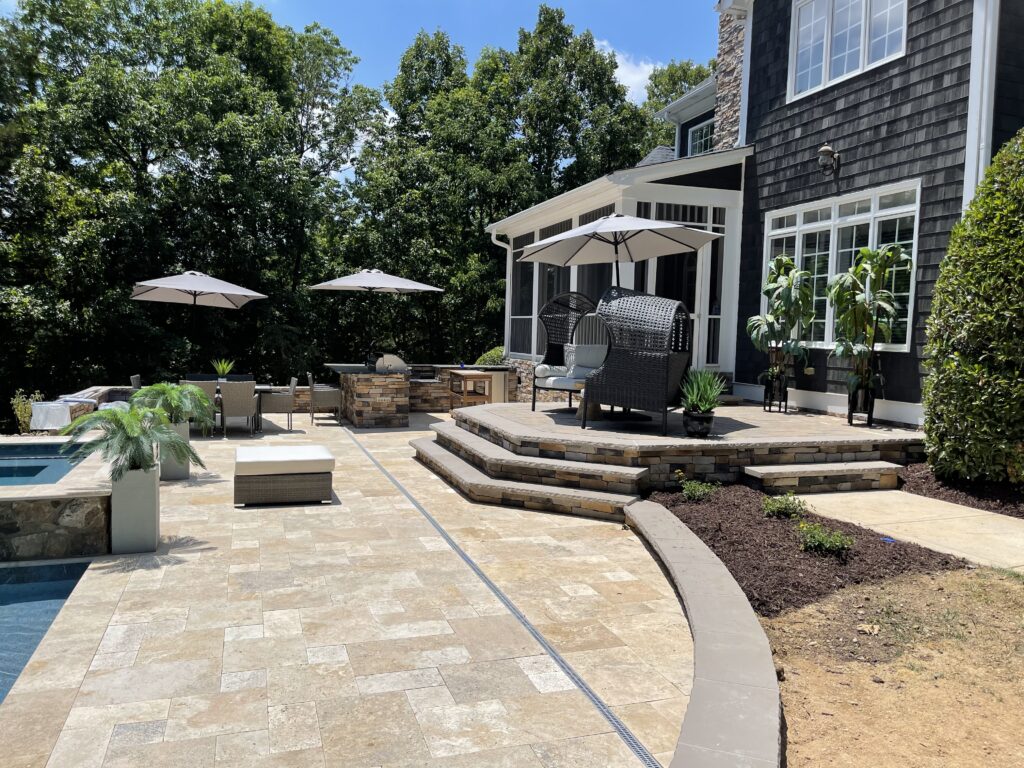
x=479, y=487
x=825, y=477
x=497, y=461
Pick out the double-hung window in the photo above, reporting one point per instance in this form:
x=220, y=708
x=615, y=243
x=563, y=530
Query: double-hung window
x=832, y=40
x=825, y=237
x=701, y=138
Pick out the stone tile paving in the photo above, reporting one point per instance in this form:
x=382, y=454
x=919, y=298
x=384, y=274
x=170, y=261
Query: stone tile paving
x=352, y=635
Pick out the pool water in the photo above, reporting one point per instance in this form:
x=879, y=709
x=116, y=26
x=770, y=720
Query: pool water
x=33, y=463
x=30, y=598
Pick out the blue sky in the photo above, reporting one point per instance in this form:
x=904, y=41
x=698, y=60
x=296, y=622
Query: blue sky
x=642, y=32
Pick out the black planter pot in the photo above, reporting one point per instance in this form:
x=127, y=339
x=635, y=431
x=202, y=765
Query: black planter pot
x=776, y=393
x=861, y=400
x=698, y=424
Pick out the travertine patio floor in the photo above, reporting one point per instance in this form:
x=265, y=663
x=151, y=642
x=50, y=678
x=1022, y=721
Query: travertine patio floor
x=353, y=635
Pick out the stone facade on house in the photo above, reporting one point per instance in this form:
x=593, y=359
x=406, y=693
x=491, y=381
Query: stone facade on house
x=729, y=81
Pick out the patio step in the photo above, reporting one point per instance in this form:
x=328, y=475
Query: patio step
x=499, y=462
x=825, y=477
x=478, y=486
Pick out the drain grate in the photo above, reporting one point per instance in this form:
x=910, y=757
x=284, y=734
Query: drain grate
x=631, y=741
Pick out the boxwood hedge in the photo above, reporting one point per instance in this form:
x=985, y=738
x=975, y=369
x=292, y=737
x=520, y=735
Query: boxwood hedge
x=974, y=391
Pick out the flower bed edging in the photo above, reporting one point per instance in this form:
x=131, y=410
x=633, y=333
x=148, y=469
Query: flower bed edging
x=734, y=717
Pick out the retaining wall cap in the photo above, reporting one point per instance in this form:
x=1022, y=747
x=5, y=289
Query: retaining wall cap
x=734, y=717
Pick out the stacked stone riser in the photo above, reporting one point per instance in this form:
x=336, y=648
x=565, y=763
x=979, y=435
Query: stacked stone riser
x=53, y=528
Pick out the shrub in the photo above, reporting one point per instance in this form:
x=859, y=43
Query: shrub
x=22, y=406
x=786, y=507
x=974, y=392
x=491, y=357
x=701, y=390
x=694, y=490
x=819, y=540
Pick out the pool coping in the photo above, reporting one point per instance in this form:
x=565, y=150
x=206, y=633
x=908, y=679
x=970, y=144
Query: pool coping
x=735, y=712
x=87, y=479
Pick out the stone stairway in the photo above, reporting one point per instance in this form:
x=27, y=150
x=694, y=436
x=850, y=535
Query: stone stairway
x=825, y=477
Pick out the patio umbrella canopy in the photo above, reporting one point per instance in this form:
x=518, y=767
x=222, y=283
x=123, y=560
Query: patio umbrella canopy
x=617, y=238
x=194, y=288
x=375, y=281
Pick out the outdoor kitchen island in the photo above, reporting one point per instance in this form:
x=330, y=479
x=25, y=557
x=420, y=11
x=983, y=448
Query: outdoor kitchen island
x=371, y=398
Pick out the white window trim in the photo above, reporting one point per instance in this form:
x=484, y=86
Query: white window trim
x=689, y=137
x=873, y=217
x=791, y=94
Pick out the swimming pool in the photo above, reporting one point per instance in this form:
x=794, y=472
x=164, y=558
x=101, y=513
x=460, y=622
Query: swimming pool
x=33, y=463
x=30, y=598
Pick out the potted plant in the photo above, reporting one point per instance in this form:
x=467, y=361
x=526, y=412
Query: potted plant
x=701, y=391
x=130, y=440
x=864, y=311
x=222, y=367
x=790, y=306
x=181, y=404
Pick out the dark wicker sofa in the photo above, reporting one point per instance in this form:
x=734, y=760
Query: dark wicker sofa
x=648, y=356
x=560, y=316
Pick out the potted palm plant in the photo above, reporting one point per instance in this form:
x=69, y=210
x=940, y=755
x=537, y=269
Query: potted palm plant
x=130, y=441
x=222, y=367
x=864, y=314
x=790, y=306
x=182, y=404
x=701, y=391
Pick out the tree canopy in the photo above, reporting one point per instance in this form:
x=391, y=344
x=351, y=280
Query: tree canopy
x=141, y=138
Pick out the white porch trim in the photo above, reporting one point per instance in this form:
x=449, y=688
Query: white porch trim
x=830, y=402
x=981, y=96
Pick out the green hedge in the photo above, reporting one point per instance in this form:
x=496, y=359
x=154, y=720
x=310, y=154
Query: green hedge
x=974, y=392
x=492, y=357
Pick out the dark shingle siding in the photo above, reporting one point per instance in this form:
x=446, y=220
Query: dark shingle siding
x=904, y=120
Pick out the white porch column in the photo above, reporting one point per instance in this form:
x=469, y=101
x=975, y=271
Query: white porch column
x=730, y=289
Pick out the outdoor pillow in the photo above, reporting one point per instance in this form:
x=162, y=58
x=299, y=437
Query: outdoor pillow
x=589, y=355
x=543, y=370
x=580, y=372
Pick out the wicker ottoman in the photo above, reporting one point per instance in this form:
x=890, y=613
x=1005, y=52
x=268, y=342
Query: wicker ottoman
x=283, y=474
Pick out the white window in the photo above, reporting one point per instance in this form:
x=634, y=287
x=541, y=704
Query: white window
x=832, y=40
x=701, y=138
x=824, y=238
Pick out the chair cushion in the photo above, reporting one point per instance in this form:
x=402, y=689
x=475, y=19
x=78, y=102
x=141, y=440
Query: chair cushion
x=588, y=356
x=282, y=460
x=561, y=382
x=544, y=370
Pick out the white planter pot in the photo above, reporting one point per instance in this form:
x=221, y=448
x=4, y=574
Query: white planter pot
x=171, y=468
x=135, y=512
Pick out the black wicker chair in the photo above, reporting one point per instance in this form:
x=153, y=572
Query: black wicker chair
x=559, y=318
x=648, y=356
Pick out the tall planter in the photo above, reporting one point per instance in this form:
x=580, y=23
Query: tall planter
x=135, y=512
x=170, y=467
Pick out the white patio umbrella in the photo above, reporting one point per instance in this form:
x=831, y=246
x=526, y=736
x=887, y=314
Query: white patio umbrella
x=194, y=288
x=615, y=239
x=374, y=281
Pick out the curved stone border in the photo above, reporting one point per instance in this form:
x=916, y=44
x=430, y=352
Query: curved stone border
x=734, y=717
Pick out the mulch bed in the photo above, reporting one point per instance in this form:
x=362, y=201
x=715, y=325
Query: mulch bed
x=1004, y=498
x=765, y=558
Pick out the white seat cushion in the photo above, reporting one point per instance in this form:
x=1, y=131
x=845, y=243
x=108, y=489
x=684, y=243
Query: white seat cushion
x=282, y=460
x=561, y=382
x=543, y=370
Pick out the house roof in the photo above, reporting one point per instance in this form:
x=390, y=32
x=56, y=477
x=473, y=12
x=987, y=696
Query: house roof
x=695, y=102
x=660, y=154
x=621, y=180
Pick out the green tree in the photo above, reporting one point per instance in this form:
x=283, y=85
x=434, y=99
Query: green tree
x=665, y=85
x=974, y=392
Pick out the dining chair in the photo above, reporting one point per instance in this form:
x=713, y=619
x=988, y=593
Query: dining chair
x=238, y=400
x=280, y=402
x=323, y=397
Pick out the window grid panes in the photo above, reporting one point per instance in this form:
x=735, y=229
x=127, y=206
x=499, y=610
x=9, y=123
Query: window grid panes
x=702, y=138
x=835, y=39
x=830, y=246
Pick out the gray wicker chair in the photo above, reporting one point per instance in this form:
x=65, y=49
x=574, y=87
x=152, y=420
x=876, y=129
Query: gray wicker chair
x=238, y=400
x=559, y=318
x=648, y=356
x=281, y=402
x=323, y=397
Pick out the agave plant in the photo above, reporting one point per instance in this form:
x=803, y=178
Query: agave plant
x=223, y=366
x=864, y=310
x=790, y=306
x=181, y=402
x=128, y=439
x=701, y=391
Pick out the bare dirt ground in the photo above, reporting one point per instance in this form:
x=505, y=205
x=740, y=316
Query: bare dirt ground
x=920, y=670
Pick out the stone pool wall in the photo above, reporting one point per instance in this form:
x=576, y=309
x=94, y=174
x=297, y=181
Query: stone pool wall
x=33, y=529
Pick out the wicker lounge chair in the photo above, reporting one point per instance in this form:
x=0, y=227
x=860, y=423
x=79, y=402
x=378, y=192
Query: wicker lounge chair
x=281, y=402
x=559, y=317
x=648, y=355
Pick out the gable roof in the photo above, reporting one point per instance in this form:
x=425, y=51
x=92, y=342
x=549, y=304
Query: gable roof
x=660, y=154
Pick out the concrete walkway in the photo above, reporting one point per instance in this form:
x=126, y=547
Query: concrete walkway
x=352, y=634
x=985, y=538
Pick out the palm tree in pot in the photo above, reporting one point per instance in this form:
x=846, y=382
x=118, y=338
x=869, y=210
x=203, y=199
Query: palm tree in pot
x=701, y=391
x=790, y=305
x=131, y=441
x=181, y=403
x=865, y=310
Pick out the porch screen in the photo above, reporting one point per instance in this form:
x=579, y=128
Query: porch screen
x=521, y=302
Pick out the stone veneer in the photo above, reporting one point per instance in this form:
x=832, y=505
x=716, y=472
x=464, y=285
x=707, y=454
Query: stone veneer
x=375, y=399
x=729, y=81
x=33, y=529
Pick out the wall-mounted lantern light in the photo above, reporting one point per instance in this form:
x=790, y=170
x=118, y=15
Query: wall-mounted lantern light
x=828, y=160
